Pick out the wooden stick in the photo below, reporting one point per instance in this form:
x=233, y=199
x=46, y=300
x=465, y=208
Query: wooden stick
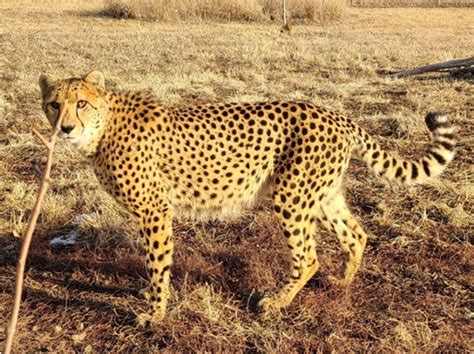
x=458, y=63
x=41, y=138
x=25, y=246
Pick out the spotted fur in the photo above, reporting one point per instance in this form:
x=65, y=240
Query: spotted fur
x=209, y=161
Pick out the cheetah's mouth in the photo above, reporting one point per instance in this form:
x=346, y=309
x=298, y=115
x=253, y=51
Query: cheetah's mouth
x=69, y=139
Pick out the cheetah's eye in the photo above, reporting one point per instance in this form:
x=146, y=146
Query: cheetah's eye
x=81, y=104
x=54, y=105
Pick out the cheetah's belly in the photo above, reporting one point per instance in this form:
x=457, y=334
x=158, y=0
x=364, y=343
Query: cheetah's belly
x=220, y=209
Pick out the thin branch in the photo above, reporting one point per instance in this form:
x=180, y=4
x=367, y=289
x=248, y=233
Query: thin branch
x=286, y=24
x=25, y=246
x=41, y=138
x=458, y=63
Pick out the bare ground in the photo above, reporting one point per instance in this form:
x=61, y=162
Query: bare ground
x=414, y=291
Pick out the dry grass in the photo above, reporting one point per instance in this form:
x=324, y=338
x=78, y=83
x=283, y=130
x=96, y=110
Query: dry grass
x=414, y=290
x=413, y=3
x=224, y=10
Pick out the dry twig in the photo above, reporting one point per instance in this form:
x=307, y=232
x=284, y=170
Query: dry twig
x=25, y=246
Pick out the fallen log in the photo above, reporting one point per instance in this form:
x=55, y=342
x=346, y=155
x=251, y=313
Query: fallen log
x=460, y=64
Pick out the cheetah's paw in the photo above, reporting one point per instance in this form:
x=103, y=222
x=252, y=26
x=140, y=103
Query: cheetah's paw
x=149, y=318
x=337, y=281
x=270, y=305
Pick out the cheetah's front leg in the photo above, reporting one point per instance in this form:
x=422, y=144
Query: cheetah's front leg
x=157, y=239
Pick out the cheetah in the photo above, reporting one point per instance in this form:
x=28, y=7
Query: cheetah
x=212, y=160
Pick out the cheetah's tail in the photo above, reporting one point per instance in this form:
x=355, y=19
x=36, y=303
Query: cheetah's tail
x=439, y=154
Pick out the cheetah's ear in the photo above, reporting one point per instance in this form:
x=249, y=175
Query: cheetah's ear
x=95, y=78
x=46, y=82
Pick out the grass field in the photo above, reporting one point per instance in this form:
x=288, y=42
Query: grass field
x=414, y=289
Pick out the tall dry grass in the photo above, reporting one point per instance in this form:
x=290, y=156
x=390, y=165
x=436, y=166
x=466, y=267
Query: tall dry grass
x=225, y=10
x=313, y=10
x=413, y=3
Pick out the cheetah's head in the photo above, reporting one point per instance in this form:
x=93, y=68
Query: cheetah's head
x=83, y=104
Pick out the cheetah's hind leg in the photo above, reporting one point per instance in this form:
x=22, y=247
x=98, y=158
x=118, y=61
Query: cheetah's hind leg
x=297, y=226
x=337, y=217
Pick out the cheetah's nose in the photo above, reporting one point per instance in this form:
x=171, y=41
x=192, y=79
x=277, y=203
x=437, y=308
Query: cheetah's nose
x=67, y=128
